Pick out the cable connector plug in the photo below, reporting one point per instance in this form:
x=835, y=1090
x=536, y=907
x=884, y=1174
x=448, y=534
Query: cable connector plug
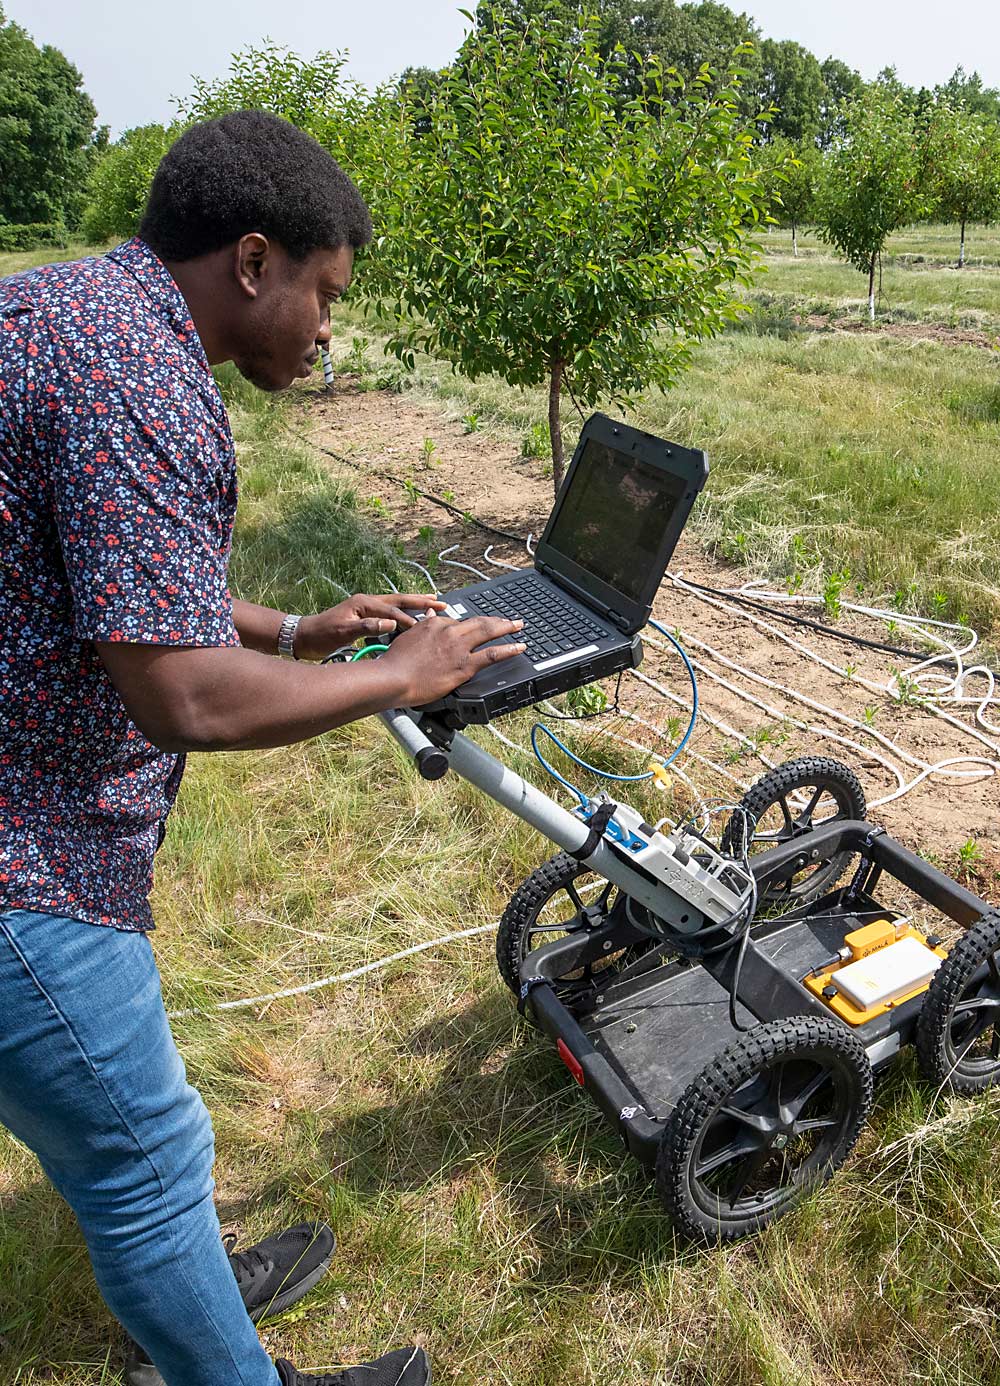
x=661, y=777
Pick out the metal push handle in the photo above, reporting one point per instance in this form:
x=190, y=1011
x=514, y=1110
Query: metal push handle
x=430, y=760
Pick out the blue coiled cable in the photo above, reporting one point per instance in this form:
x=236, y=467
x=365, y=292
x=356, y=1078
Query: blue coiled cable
x=550, y=769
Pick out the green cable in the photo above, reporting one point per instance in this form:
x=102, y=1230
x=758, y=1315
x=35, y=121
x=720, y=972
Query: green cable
x=368, y=650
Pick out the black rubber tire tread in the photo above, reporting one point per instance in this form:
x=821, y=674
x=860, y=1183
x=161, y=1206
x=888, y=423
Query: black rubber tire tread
x=790, y=775
x=728, y=1072
x=524, y=906
x=946, y=990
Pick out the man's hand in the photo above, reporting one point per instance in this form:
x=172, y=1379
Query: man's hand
x=319, y=635
x=441, y=654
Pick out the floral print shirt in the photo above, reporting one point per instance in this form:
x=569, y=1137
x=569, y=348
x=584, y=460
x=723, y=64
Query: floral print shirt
x=117, y=498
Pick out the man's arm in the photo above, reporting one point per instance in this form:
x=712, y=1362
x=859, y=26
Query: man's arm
x=321, y=634
x=257, y=627
x=185, y=698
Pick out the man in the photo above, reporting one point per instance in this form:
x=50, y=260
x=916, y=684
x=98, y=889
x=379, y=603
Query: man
x=120, y=650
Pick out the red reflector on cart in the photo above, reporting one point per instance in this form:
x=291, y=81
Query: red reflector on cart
x=571, y=1063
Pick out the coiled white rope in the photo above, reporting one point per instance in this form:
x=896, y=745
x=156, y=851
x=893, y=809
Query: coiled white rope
x=949, y=689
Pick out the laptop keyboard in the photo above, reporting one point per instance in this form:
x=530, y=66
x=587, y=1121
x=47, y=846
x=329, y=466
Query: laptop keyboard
x=552, y=626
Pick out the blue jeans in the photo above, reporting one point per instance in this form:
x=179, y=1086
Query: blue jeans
x=91, y=1081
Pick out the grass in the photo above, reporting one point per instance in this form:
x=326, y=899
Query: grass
x=478, y=1198
x=824, y=284
x=14, y=262
x=923, y=244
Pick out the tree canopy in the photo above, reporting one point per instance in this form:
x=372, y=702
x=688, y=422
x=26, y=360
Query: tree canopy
x=963, y=167
x=47, y=131
x=121, y=181
x=805, y=93
x=873, y=182
x=543, y=229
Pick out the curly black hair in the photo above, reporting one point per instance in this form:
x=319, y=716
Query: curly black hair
x=250, y=171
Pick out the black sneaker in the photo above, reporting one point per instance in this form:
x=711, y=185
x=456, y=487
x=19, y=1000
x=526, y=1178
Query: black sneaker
x=277, y=1272
x=404, y=1367
x=272, y=1276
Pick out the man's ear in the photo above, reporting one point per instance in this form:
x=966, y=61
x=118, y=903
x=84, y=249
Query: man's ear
x=253, y=254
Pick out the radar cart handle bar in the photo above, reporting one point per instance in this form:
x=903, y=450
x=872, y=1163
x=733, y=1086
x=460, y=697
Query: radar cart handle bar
x=514, y=793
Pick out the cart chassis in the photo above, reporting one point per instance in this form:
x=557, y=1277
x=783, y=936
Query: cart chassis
x=763, y=986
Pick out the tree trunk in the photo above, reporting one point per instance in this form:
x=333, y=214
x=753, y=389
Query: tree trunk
x=871, y=291
x=555, y=424
x=961, y=249
x=795, y=240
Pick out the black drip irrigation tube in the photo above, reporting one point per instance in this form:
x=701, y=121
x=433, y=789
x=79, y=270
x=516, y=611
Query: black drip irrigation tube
x=793, y=619
x=396, y=481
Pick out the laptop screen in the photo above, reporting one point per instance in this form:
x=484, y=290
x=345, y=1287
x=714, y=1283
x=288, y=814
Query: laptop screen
x=614, y=515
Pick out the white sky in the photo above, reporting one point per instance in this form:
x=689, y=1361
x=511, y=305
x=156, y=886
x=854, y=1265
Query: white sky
x=135, y=57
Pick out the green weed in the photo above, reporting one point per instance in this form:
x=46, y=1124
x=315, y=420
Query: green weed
x=833, y=588
x=970, y=855
x=535, y=442
x=586, y=701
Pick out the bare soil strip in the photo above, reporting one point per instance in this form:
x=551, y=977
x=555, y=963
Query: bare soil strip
x=383, y=432
x=903, y=331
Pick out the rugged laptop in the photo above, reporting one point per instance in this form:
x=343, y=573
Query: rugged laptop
x=614, y=526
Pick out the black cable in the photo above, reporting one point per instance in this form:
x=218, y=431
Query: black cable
x=397, y=481
x=613, y=710
x=805, y=621
x=734, y=989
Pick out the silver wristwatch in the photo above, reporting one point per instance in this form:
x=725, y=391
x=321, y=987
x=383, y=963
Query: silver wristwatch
x=286, y=637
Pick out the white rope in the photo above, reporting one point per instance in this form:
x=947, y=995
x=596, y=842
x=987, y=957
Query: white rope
x=979, y=767
x=410, y=563
x=935, y=690
x=917, y=673
x=499, y=562
x=337, y=586
x=332, y=980
x=453, y=563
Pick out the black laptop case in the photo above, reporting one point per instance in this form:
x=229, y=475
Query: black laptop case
x=621, y=509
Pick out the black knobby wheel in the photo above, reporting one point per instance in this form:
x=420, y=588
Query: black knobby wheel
x=789, y=802
x=562, y=897
x=772, y=1117
x=958, y=1032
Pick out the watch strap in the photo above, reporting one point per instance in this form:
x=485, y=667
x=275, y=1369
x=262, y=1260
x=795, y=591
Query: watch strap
x=286, y=637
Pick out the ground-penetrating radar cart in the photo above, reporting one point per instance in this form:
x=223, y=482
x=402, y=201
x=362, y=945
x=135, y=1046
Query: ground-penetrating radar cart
x=726, y=1006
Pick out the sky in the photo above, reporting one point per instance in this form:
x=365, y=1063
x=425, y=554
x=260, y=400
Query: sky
x=135, y=57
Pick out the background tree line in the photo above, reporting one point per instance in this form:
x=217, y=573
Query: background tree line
x=54, y=158
x=50, y=142
x=576, y=198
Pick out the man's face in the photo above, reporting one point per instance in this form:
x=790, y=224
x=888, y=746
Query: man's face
x=289, y=318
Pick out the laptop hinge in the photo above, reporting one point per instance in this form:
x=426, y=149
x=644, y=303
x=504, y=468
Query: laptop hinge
x=586, y=598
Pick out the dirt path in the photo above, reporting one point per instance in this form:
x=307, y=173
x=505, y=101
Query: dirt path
x=383, y=432
x=904, y=331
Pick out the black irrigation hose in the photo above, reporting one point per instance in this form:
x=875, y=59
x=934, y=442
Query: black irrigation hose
x=805, y=621
x=396, y=481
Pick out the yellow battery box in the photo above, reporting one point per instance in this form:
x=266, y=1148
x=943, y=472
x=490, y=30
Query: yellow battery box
x=880, y=966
